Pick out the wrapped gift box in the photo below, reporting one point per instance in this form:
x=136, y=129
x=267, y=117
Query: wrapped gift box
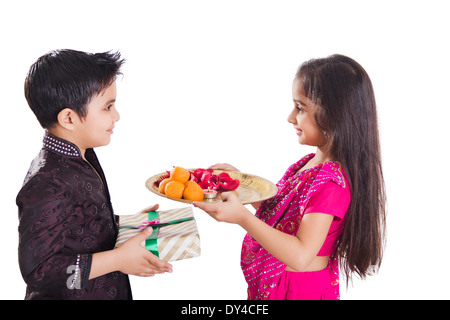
x=175, y=235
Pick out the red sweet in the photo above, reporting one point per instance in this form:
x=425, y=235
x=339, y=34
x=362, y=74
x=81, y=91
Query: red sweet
x=208, y=180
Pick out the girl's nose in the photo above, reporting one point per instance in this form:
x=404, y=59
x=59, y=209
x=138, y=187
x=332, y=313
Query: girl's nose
x=292, y=118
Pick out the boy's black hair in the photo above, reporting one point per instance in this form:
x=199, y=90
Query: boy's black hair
x=68, y=79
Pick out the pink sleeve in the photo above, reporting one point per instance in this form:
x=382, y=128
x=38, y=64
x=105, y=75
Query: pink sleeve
x=329, y=198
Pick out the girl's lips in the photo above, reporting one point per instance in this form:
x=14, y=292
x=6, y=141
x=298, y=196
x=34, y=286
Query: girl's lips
x=298, y=131
x=110, y=131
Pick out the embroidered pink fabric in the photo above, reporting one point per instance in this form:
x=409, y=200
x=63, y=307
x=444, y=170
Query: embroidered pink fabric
x=262, y=271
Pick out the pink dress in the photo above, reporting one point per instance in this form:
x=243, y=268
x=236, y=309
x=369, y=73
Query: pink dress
x=322, y=189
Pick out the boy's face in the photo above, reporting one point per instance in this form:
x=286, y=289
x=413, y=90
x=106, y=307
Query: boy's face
x=96, y=128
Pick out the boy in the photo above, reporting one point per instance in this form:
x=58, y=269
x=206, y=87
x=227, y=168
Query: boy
x=67, y=227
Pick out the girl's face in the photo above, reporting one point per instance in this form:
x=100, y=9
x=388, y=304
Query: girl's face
x=302, y=118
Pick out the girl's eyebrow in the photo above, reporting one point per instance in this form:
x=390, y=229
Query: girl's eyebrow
x=301, y=102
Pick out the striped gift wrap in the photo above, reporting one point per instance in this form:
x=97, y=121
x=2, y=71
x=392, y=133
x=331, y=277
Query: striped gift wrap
x=176, y=236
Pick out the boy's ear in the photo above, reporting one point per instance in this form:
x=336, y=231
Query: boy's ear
x=67, y=118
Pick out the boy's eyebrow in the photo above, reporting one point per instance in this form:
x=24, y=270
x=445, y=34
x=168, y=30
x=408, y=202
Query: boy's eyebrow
x=110, y=101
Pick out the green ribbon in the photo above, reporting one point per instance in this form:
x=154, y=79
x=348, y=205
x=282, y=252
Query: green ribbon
x=151, y=243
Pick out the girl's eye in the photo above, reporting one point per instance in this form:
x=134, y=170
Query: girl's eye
x=299, y=109
x=108, y=107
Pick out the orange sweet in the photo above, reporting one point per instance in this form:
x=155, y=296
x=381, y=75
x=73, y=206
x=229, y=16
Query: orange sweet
x=180, y=174
x=192, y=191
x=162, y=185
x=174, y=189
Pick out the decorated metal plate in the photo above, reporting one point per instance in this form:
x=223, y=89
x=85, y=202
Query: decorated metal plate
x=251, y=188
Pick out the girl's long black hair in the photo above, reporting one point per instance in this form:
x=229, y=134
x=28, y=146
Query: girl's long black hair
x=347, y=113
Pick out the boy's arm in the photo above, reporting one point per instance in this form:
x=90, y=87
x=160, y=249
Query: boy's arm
x=44, y=258
x=45, y=235
x=130, y=258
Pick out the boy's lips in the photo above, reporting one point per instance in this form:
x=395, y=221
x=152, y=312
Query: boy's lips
x=110, y=131
x=298, y=131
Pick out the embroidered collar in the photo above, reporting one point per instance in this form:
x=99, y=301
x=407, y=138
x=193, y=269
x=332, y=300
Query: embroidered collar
x=331, y=170
x=61, y=146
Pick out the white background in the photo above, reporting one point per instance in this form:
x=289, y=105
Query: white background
x=210, y=81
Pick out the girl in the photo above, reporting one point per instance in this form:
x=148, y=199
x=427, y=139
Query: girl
x=330, y=206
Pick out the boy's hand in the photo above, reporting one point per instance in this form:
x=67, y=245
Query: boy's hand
x=134, y=259
x=150, y=209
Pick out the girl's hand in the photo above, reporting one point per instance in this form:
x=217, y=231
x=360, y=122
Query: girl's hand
x=224, y=166
x=134, y=259
x=230, y=210
x=229, y=167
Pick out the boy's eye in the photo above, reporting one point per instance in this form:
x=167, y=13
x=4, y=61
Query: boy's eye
x=108, y=107
x=299, y=109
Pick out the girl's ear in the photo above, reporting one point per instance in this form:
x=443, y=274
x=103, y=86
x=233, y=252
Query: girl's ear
x=67, y=118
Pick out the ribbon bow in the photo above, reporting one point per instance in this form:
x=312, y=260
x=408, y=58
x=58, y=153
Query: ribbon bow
x=147, y=224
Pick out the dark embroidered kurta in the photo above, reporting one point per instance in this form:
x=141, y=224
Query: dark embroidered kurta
x=65, y=213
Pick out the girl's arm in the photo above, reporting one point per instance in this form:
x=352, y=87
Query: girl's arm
x=297, y=251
